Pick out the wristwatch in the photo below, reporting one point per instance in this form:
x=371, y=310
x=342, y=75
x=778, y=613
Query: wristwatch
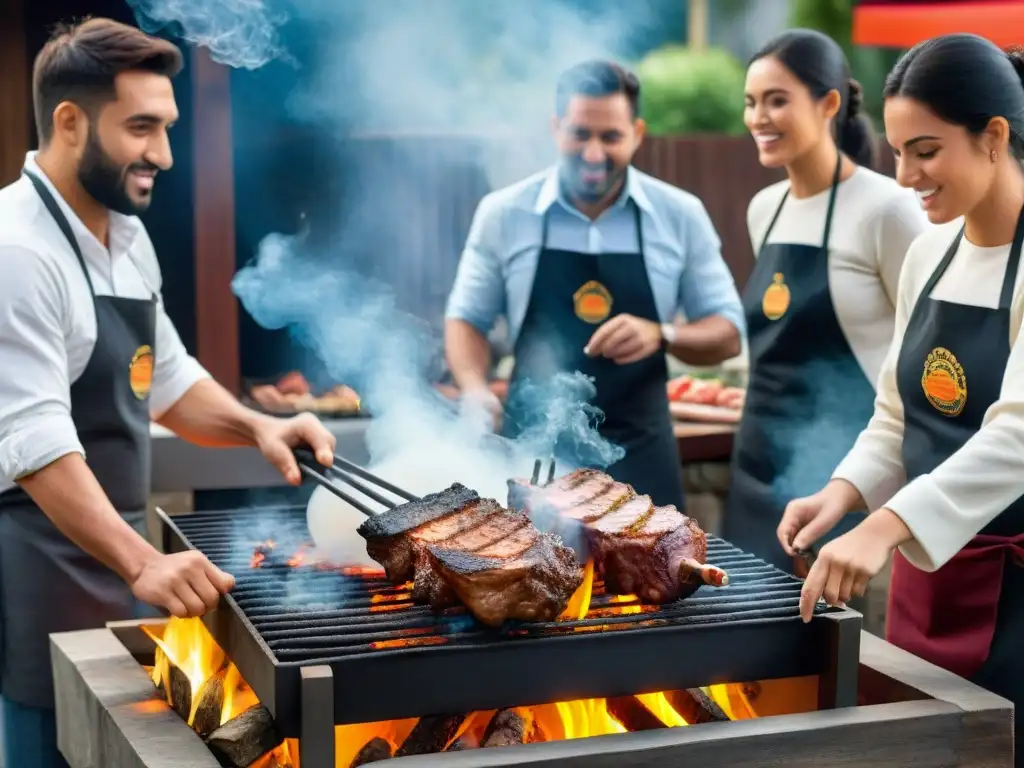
x=668, y=333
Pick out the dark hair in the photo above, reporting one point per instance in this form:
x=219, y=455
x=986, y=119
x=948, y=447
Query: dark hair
x=79, y=64
x=965, y=80
x=597, y=79
x=817, y=61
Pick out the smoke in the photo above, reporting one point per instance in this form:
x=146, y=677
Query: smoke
x=446, y=67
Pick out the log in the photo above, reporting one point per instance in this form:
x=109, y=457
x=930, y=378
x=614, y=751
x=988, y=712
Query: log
x=181, y=692
x=431, y=735
x=695, y=706
x=211, y=703
x=242, y=739
x=375, y=749
x=506, y=728
x=633, y=715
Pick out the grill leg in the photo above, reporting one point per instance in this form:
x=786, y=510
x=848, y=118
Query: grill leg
x=837, y=685
x=316, y=743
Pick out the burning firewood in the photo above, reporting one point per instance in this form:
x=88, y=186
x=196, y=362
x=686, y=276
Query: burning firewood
x=181, y=692
x=695, y=706
x=375, y=749
x=242, y=739
x=211, y=702
x=506, y=728
x=430, y=735
x=633, y=715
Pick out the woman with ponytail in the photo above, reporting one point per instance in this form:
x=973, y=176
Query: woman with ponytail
x=820, y=305
x=942, y=461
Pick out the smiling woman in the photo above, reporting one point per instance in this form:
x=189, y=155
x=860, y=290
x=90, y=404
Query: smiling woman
x=942, y=461
x=815, y=349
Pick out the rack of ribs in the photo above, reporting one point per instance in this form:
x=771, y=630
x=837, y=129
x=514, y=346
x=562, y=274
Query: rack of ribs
x=655, y=553
x=456, y=547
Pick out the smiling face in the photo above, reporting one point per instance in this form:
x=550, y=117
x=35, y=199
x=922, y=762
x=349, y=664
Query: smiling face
x=782, y=115
x=950, y=169
x=127, y=143
x=597, y=138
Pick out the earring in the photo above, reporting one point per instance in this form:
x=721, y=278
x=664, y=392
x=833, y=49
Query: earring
x=993, y=155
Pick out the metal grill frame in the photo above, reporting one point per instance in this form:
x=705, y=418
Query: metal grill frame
x=391, y=684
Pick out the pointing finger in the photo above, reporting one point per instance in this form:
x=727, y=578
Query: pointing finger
x=813, y=587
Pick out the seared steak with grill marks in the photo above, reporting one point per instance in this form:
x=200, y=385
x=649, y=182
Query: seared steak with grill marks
x=455, y=546
x=643, y=550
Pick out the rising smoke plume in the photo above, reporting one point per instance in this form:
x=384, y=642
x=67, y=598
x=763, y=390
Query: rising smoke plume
x=424, y=66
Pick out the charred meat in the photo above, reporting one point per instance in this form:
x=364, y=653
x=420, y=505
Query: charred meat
x=655, y=553
x=457, y=547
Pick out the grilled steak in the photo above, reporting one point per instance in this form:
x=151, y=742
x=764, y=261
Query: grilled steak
x=643, y=550
x=455, y=546
x=529, y=576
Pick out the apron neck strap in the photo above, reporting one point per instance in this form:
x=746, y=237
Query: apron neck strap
x=62, y=222
x=1009, y=276
x=636, y=216
x=828, y=212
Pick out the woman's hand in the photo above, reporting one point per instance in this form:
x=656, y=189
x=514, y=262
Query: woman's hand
x=845, y=565
x=808, y=519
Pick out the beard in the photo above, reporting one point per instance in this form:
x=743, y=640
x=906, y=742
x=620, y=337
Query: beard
x=574, y=171
x=106, y=181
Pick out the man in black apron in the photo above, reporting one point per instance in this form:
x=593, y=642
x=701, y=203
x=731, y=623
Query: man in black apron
x=792, y=434
x=85, y=561
x=591, y=309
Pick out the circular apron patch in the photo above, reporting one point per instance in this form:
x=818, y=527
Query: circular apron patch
x=592, y=302
x=944, y=383
x=776, y=298
x=140, y=371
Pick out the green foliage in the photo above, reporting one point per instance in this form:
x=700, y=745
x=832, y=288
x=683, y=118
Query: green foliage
x=686, y=92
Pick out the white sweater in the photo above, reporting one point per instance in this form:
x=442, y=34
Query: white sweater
x=874, y=222
x=947, y=507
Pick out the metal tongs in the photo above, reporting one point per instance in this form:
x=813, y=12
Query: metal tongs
x=346, y=473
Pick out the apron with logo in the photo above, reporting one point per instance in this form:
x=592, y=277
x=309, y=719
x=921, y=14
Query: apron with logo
x=807, y=396
x=47, y=583
x=967, y=616
x=572, y=294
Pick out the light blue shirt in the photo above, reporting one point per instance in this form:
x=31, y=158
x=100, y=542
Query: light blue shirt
x=682, y=251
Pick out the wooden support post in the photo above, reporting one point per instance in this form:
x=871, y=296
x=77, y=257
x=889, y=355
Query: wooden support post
x=216, y=306
x=15, y=92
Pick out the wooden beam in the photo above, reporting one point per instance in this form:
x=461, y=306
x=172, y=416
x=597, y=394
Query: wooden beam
x=214, y=179
x=15, y=92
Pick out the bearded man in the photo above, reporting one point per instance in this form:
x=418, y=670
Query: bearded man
x=88, y=357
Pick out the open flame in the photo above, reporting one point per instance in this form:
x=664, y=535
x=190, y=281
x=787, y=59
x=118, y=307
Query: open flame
x=185, y=644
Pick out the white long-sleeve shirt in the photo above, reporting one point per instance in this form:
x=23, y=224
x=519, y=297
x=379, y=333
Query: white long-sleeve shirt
x=874, y=222
x=48, y=322
x=945, y=508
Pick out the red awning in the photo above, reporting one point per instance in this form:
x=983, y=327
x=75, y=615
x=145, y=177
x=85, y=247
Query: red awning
x=904, y=24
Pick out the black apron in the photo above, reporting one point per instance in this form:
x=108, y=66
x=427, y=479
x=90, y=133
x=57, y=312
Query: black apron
x=807, y=396
x=572, y=294
x=47, y=583
x=967, y=616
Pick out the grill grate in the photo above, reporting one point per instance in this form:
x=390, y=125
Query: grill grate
x=372, y=636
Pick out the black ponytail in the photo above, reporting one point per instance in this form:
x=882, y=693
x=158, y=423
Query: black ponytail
x=817, y=61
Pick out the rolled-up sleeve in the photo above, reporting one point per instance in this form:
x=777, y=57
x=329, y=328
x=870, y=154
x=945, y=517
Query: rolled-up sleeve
x=706, y=286
x=478, y=295
x=175, y=371
x=36, y=427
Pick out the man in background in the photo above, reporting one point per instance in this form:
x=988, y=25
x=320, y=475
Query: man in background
x=88, y=357
x=591, y=262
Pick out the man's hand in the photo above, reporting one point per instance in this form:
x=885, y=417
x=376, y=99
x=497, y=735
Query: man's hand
x=276, y=439
x=185, y=584
x=482, y=403
x=625, y=339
